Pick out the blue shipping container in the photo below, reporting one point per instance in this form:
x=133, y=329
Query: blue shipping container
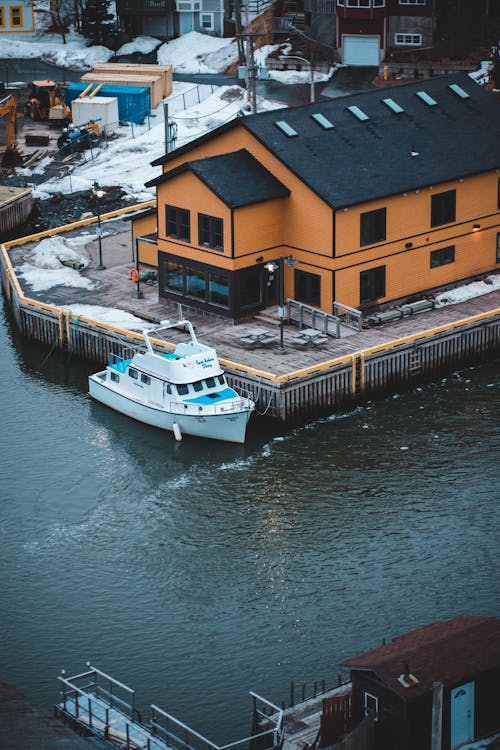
x=134, y=102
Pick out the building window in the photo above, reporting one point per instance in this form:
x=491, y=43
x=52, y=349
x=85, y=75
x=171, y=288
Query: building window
x=370, y=705
x=174, y=277
x=307, y=288
x=443, y=256
x=443, y=208
x=498, y=193
x=195, y=283
x=372, y=284
x=498, y=247
x=2, y=19
x=177, y=222
x=378, y=3
x=408, y=40
x=207, y=21
x=210, y=231
x=373, y=226
x=412, y=2
x=218, y=289
x=16, y=16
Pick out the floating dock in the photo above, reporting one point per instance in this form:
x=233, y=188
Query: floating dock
x=289, y=384
x=16, y=205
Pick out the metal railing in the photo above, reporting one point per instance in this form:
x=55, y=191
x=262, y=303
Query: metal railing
x=311, y=317
x=349, y=316
x=181, y=737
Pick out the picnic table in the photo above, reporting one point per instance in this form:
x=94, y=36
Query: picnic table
x=257, y=337
x=310, y=337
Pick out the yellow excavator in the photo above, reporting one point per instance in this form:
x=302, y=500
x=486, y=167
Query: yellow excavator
x=46, y=102
x=8, y=109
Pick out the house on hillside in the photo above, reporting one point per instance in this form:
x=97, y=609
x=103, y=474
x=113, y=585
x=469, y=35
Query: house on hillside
x=167, y=19
x=362, y=31
x=383, y=196
x=435, y=688
x=16, y=16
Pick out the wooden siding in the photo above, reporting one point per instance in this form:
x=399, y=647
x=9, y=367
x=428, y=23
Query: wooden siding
x=144, y=225
x=258, y=228
x=309, y=221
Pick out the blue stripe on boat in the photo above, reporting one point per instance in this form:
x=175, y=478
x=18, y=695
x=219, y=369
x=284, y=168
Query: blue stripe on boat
x=211, y=398
x=120, y=365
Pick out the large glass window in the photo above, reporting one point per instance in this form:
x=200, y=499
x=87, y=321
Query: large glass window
x=442, y=256
x=307, y=288
x=218, y=289
x=195, y=283
x=372, y=284
x=210, y=232
x=250, y=282
x=443, y=208
x=174, y=277
x=373, y=227
x=177, y=223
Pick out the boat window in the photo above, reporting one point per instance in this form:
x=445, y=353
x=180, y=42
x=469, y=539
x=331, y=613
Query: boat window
x=168, y=388
x=210, y=383
x=182, y=390
x=145, y=379
x=198, y=386
x=133, y=373
x=114, y=377
x=221, y=379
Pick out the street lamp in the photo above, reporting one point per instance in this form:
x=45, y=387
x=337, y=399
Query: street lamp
x=99, y=194
x=311, y=69
x=279, y=265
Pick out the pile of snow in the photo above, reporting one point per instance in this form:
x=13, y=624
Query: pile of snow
x=110, y=315
x=198, y=53
x=50, y=48
x=43, y=268
x=468, y=291
x=482, y=76
x=143, y=44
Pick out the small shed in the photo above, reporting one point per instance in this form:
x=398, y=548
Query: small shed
x=100, y=109
x=435, y=688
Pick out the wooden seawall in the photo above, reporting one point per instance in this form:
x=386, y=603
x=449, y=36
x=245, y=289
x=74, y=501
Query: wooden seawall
x=293, y=392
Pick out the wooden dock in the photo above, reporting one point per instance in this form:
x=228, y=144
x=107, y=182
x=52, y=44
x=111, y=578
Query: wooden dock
x=289, y=384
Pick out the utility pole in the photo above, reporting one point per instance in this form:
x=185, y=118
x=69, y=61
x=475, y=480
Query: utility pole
x=239, y=37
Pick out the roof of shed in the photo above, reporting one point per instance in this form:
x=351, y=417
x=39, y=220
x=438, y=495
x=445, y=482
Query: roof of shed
x=358, y=160
x=237, y=178
x=450, y=652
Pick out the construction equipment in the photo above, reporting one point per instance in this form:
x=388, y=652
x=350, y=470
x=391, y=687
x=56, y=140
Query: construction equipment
x=8, y=109
x=78, y=138
x=46, y=102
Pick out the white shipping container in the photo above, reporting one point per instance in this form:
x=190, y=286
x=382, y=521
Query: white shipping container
x=100, y=109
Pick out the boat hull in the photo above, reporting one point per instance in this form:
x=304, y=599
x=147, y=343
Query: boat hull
x=229, y=427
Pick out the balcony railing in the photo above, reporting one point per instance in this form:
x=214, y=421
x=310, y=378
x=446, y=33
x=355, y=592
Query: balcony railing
x=319, y=6
x=138, y=6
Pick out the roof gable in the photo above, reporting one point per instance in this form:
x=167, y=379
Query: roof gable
x=449, y=652
x=237, y=178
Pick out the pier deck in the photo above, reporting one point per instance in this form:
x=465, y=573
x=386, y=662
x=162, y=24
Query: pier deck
x=114, y=289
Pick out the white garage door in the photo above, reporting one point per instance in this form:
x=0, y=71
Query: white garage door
x=361, y=50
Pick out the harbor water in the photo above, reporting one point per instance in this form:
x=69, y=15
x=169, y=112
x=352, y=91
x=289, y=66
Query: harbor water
x=197, y=571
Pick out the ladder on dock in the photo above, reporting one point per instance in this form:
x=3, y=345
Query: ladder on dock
x=96, y=704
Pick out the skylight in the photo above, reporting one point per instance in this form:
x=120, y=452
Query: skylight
x=323, y=121
x=426, y=98
x=458, y=90
x=393, y=105
x=285, y=127
x=357, y=112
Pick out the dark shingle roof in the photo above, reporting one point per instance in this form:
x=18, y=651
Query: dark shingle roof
x=357, y=161
x=237, y=178
x=450, y=652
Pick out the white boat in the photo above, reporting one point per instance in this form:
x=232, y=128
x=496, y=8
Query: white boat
x=183, y=390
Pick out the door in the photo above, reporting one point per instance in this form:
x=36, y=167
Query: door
x=462, y=714
x=185, y=23
x=361, y=50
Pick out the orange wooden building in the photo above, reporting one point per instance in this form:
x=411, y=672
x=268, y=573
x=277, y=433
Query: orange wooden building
x=380, y=196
